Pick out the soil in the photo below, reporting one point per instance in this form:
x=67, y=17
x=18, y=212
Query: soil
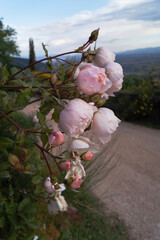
x=132, y=188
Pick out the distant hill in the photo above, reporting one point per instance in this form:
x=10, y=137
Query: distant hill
x=141, y=51
x=134, y=62
x=23, y=62
x=138, y=61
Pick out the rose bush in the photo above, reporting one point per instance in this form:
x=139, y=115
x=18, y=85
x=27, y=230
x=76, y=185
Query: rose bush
x=60, y=95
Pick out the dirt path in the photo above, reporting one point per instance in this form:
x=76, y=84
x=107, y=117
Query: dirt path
x=132, y=189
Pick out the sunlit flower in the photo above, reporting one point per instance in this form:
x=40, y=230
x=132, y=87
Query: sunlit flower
x=103, y=56
x=91, y=79
x=104, y=124
x=75, y=117
x=56, y=138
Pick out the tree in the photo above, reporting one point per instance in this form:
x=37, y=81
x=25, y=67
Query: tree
x=32, y=57
x=8, y=45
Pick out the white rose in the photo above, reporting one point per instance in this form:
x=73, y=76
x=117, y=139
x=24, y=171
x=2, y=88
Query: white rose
x=104, y=56
x=104, y=124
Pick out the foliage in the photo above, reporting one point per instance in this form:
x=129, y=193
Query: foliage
x=27, y=158
x=8, y=45
x=138, y=101
x=32, y=57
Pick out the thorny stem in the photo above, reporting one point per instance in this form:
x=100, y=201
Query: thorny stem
x=11, y=121
x=28, y=131
x=44, y=59
x=42, y=151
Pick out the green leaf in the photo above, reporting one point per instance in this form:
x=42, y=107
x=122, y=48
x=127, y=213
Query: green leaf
x=2, y=221
x=10, y=208
x=41, y=118
x=2, y=200
x=44, y=139
x=5, y=142
x=56, y=114
x=11, y=192
x=45, y=49
x=42, y=237
x=23, y=204
x=20, y=137
x=24, y=97
x=13, y=236
x=37, y=179
x=4, y=174
x=5, y=74
x=30, y=236
x=19, y=82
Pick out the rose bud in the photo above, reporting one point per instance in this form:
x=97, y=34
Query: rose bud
x=65, y=165
x=75, y=117
x=56, y=138
x=104, y=124
x=13, y=160
x=49, y=187
x=92, y=79
x=104, y=56
x=88, y=156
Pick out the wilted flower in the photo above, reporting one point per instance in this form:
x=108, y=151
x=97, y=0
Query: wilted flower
x=77, y=169
x=62, y=204
x=114, y=72
x=65, y=165
x=91, y=79
x=75, y=117
x=104, y=124
x=56, y=138
x=103, y=56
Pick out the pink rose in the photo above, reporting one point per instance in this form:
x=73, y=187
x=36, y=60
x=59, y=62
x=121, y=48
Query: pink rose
x=92, y=79
x=65, y=165
x=56, y=138
x=76, y=183
x=103, y=56
x=114, y=72
x=104, y=124
x=75, y=117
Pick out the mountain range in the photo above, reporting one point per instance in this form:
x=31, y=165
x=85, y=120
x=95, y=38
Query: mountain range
x=134, y=62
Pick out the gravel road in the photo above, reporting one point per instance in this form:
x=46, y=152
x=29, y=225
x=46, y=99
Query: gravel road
x=132, y=189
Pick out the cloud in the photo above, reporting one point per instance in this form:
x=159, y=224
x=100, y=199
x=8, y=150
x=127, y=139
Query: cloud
x=124, y=24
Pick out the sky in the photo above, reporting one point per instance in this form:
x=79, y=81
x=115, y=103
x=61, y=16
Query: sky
x=64, y=25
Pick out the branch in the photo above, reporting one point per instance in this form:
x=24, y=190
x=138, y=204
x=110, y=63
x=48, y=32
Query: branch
x=42, y=151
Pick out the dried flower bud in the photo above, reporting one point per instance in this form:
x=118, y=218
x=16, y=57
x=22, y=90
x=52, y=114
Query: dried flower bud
x=13, y=160
x=53, y=79
x=94, y=36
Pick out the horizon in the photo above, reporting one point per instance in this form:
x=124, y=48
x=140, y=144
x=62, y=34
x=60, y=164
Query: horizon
x=124, y=25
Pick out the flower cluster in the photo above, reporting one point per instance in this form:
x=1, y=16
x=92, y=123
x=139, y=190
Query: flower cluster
x=101, y=77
